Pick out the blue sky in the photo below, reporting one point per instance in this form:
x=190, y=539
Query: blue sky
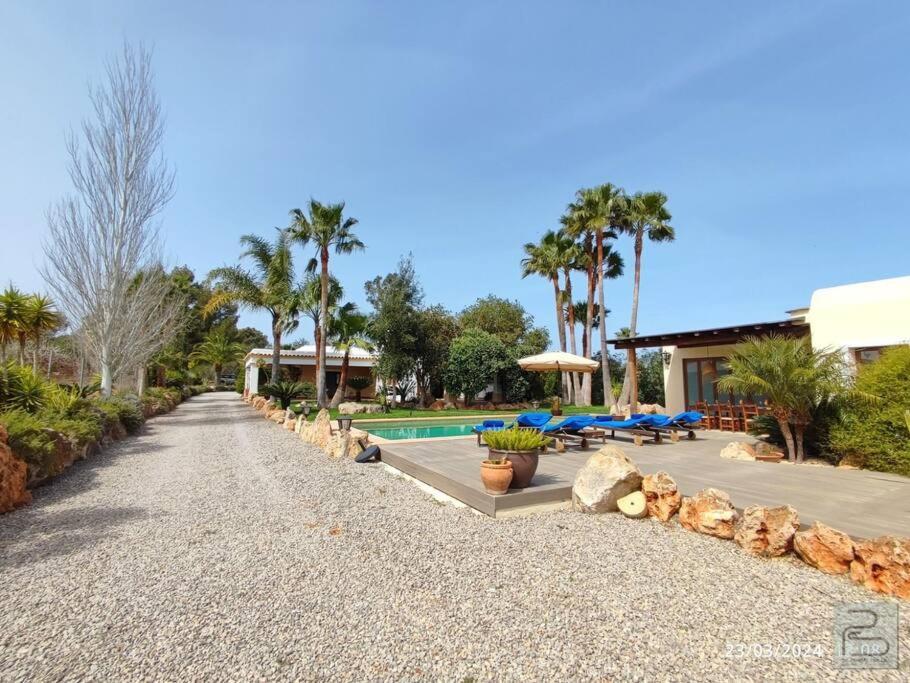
x=459, y=131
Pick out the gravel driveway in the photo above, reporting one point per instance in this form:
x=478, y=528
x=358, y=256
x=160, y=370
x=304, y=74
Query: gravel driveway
x=216, y=545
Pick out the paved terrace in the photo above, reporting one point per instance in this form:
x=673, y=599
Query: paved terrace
x=861, y=503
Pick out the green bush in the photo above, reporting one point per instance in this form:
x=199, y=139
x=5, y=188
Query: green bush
x=27, y=436
x=824, y=416
x=287, y=391
x=23, y=389
x=474, y=359
x=239, y=383
x=875, y=434
x=125, y=410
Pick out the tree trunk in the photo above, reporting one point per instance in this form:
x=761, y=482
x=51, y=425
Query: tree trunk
x=82, y=370
x=50, y=360
x=217, y=368
x=21, y=349
x=394, y=401
x=3, y=359
x=589, y=333
x=35, y=357
x=317, y=337
x=276, y=350
x=633, y=327
x=560, y=331
x=633, y=374
x=604, y=356
x=323, y=327
x=107, y=380
x=571, y=310
x=342, y=380
x=788, y=438
x=799, y=430
x=140, y=380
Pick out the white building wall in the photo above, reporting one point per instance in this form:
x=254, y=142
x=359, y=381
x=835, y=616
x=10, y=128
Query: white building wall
x=866, y=314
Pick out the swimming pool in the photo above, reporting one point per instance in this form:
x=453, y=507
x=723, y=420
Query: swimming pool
x=421, y=429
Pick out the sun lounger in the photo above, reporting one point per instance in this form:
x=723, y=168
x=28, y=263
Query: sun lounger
x=570, y=430
x=683, y=422
x=533, y=420
x=636, y=425
x=487, y=426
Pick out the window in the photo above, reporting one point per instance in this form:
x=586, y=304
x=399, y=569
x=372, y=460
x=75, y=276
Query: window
x=701, y=375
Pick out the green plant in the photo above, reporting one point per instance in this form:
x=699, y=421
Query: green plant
x=239, y=383
x=284, y=391
x=515, y=439
x=474, y=359
x=877, y=435
x=792, y=376
x=23, y=389
x=125, y=410
x=28, y=438
x=823, y=417
x=360, y=383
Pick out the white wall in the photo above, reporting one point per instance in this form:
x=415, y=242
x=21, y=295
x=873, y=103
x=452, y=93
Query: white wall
x=861, y=315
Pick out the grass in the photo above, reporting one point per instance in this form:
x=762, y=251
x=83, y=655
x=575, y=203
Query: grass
x=418, y=413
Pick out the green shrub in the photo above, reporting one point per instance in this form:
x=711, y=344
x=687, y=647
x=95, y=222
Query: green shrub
x=515, y=439
x=875, y=435
x=286, y=391
x=125, y=410
x=23, y=389
x=27, y=435
x=815, y=440
x=239, y=383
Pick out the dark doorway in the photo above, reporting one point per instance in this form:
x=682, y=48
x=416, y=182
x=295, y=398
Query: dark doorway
x=331, y=383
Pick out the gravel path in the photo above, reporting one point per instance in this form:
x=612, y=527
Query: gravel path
x=216, y=545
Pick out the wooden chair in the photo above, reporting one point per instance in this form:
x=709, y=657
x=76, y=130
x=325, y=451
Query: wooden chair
x=710, y=419
x=726, y=417
x=748, y=412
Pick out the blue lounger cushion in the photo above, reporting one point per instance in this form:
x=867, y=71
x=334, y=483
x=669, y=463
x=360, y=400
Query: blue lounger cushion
x=623, y=424
x=571, y=424
x=536, y=420
x=684, y=418
x=490, y=425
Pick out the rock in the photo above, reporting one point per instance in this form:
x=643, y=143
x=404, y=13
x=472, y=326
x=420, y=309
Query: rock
x=661, y=495
x=13, y=477
x=346, y=443
x=738, y=450
x=767, y=531
x=290, y=421
x=709, y=512
x=275, y=415
x=356, y=408
x=633, y=505
x=319, y=431
x=824, y=548
x=608, y=475
x=259, y=402
x=883, y=565
x=559, y=446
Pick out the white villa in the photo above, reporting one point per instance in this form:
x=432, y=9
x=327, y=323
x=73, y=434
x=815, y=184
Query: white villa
x=859, y=319
x=301, y=366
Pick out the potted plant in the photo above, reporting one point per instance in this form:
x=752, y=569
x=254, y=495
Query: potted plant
x=496, y=475
x=556, y=406
x=520, y=447
x=358, y=384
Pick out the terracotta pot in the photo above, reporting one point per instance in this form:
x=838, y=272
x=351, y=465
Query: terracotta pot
x=524, y=465
x=769, y=457
x=495, y=477
x=556, y=412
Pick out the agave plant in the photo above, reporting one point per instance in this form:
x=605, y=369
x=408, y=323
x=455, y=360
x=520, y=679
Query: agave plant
x=515, y=439
x=285, y=392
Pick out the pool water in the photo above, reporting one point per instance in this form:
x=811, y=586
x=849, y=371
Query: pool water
x=413, y=430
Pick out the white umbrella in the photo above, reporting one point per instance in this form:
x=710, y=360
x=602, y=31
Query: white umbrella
x=560, y=361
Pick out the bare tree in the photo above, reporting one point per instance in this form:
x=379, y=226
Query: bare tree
x=103, y=251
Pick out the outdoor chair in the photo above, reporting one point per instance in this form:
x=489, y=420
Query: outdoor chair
x=636, y=425
x=570, y=430
x=748, y=413
x=709, y=419
x=726, y=417
x=687, y=422
x=487, y=426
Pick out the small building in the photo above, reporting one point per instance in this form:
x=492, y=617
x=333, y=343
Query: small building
x=859, y=320
x=299, y=365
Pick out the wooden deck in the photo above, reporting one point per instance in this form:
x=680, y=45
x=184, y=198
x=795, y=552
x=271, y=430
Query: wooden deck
x=861, y=503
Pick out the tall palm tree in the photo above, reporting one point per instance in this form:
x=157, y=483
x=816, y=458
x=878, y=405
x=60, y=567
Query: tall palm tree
x=40, y=319
x=571, y=257
x=218, y=350
x=310, y=303
x=326, y=227
x=12, y=320
x=646, y=215
x=269, y=287
x=348, y=331
x=545, y=259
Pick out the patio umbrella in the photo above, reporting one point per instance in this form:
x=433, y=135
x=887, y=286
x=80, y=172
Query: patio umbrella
x=560, y=361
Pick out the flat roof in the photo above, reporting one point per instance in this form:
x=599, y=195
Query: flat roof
x=712, y=336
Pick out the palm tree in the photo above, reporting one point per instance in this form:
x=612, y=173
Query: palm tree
x=645, y=215
x=325, y=227
x=40, y=318
x=218, y=350
x=571, y=257
x=12, y=320
x=348, y=331
x=310, y=303
x=270, y=287
x=545, y=259
x=792, y=376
